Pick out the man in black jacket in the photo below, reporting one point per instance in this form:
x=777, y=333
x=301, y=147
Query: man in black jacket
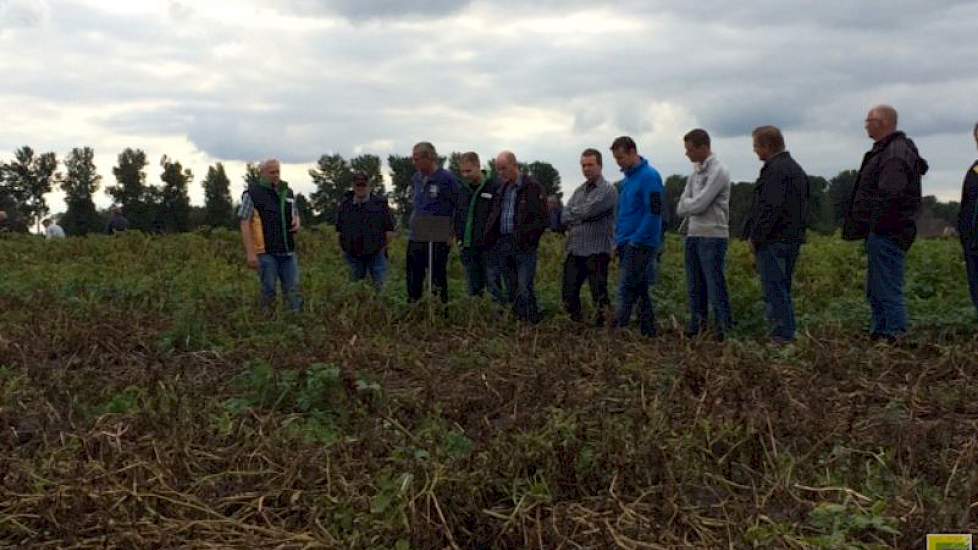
x=882, y=210
x=516, y=222
x=968, y=224
x=365, y=226
x=775, y=227
x=475, y=202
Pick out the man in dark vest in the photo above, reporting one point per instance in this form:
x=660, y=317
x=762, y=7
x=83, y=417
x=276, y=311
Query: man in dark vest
x=882, y=210
x=269, y=222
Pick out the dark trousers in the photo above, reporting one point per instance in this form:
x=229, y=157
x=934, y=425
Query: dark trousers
x=776, y=265
x=517, y=269
x=373, y=264
x=637, y=270
x=706, y=283
x=417, y=269
x=594, y=270
x=477, y=261
x=971, y=263
x=884, y=286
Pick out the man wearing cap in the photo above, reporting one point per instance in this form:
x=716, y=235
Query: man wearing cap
x=365, y=226
x=269, y=222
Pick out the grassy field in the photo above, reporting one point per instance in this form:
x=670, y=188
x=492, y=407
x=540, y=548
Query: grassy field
x=145, y=403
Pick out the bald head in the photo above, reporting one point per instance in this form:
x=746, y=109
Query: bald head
x=881, y=122
x=507, y=167
x=271, y=171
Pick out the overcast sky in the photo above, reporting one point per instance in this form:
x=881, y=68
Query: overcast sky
x=242, y=80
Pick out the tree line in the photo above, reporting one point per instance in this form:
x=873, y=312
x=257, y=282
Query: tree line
x=29, y=176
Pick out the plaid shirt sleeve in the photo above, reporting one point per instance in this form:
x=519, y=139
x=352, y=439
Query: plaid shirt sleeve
x=247, y=207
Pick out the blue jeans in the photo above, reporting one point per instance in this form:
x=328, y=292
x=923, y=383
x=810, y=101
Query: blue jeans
x=776, y=265
x=284, y=268
x=637, y=269
x=374, y=264
x=884, y=286
x=706, y=283
x=971, y=263
x=476, y=261
x=517, y=269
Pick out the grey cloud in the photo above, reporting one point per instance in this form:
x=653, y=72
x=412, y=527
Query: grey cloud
x=18, y=14
x=372, y=9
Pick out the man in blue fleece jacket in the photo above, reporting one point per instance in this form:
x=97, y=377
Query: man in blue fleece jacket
x=638, y=233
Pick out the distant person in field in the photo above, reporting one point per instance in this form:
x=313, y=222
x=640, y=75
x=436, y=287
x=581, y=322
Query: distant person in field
x=589, y=221
x=968, y=224
x=477, y=195
x=269, y=222
x=705, y=207
x=52, y=230
x=555, y=209
x=638, y=233
x=117, y=222
x=436, y=193
x=516, y=223
x=883, y=210
x=365, y=226
x=775, y=228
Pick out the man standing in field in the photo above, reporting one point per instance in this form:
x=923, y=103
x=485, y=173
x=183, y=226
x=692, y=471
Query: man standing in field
x=775, y=228
x=968, y=224
x=436, y=193
x=516, y=222
x=705, y=205
x=638, y=233
x=589, y=219
x=476, y=198
x=883, y=210
x=365, y=227
x=269, y=222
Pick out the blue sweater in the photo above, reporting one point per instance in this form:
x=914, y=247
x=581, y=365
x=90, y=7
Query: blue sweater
x=640, y=207
x=439, y=196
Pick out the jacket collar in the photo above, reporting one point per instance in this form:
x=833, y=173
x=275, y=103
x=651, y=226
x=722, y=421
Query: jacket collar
x=881, y=144
x=642, y=163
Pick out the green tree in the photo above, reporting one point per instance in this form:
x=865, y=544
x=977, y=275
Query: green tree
x=741, y=197
x=131, y=192
x=675, y=184
x=173, y=213
x=547, y=176
x=252, y=175
x=402, y=193
x=333, y=177
x=80, y=182
x=455, y=164
x=304, y=208
x=839, y=193
x=26, y=180
x=218, y=211
x=820, y=216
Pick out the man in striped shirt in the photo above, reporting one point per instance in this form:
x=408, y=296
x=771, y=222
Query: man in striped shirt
x=589, y=219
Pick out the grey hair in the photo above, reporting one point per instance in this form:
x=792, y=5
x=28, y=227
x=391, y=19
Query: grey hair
x=426, y=149
x=266, y=163
x=508, y=155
